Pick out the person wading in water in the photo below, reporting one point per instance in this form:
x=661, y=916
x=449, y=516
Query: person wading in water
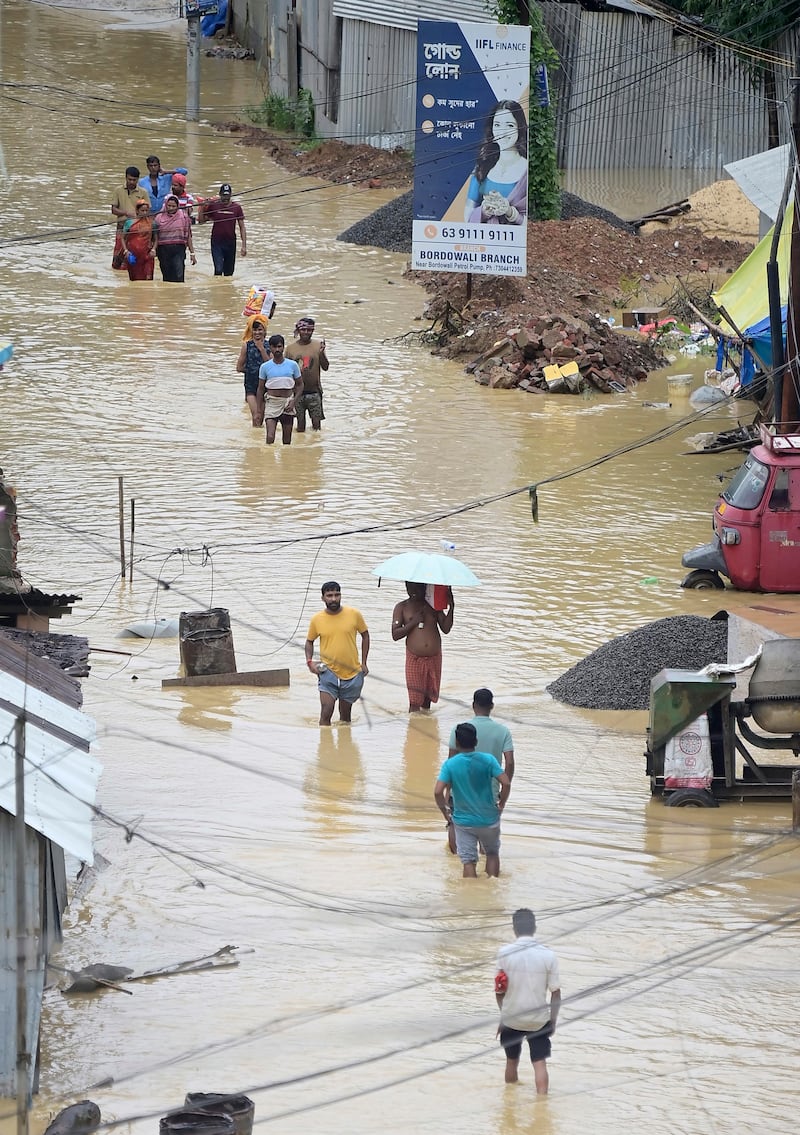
x=420, y=625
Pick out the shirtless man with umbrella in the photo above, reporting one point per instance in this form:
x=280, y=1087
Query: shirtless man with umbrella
x=420, y=625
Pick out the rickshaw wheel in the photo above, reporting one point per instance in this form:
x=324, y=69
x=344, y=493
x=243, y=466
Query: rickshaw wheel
x=691, y=798
x=703, y=580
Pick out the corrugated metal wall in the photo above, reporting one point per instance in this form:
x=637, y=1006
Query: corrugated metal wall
x=634, y=93
x=378, y=82
x=631, y=91
x=360, y=72
x=787, y=45
x=45, y=901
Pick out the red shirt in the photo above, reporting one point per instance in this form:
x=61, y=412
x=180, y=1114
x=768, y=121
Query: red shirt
x=224, y=218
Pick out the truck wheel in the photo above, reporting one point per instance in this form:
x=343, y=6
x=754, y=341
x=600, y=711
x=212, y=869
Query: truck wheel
x=691, y=798
x=703, y=580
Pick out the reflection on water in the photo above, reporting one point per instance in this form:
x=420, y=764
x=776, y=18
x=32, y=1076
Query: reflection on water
x=367, y=1004
x=334, y=784
x=632, y=193
x=421, y=761
x=204, y=709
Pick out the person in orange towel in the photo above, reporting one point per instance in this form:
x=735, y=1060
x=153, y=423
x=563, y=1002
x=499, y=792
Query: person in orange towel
x=422, y=627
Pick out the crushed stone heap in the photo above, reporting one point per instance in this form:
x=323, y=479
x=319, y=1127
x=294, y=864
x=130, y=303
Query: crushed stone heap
x=390, y=226
x=617, y=675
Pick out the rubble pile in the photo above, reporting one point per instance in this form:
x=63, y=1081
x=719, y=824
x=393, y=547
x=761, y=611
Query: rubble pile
x=560, y=354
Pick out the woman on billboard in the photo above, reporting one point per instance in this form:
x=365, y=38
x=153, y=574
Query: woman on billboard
x=498, y=189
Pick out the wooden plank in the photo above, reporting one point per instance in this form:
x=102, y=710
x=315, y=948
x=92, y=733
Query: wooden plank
x=39, y=673
x=248, y=678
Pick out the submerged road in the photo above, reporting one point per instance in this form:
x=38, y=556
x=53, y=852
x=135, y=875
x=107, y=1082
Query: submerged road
x=363, y=1001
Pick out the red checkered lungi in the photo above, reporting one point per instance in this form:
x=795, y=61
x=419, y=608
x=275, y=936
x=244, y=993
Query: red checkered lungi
x=423, y=678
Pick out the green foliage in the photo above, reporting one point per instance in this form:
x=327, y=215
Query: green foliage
x=291, y=116
x=544, y=187
x=629, y=287
x=754, y=22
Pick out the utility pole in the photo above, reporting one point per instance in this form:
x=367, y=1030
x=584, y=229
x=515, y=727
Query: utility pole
x=192, y=63
x=23, y=1055
x=790, y=395
x=292, y=77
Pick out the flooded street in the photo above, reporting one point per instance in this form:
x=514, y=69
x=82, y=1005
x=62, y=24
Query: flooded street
x=363, y=1001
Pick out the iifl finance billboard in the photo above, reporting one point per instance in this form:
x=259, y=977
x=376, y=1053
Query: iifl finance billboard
x=471, y=157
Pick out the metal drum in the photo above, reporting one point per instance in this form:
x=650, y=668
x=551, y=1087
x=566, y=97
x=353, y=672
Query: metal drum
x=206, y=642
x=774, y=694
x=196, y=1123
x=240, y=1108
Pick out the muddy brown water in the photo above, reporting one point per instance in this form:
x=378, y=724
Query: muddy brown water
x=363, y=1001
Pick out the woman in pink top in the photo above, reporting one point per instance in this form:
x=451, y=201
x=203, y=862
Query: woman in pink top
x=174, y=237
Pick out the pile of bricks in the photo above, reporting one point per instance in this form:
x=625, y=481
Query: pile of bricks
x=561, y=354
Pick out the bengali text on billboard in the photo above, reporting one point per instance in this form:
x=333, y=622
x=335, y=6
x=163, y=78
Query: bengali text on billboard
x=471, y=156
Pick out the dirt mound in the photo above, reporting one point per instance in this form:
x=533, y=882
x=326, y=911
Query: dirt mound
x=334, y=161
x=590, y=261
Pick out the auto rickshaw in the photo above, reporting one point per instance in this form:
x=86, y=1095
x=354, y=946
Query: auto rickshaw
x=756, y=542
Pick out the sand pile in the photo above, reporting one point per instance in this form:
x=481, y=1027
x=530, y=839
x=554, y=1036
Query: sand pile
x=720, y=210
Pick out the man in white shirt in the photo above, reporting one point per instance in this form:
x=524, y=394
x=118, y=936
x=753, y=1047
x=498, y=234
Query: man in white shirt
x=525, y=972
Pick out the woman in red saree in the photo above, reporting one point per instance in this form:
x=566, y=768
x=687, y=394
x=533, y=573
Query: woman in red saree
x=139, y=243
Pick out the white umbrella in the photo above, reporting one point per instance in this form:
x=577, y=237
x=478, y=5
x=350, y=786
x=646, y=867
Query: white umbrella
x=427, y=567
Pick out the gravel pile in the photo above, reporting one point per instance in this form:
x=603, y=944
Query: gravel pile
x=390, y=226
x=617, y=675
x=572, y=207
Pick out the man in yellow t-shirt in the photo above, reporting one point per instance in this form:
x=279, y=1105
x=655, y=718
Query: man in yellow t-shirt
x=123, y=205
x=340, y=674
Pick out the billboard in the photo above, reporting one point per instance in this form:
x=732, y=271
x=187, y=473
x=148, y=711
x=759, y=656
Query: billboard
x=471, y=156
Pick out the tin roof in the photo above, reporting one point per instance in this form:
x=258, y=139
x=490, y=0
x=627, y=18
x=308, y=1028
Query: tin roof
x=18, y=601
x=62, y=776
x=761, y=178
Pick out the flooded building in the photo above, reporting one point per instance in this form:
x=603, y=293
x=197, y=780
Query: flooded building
x=639, y=86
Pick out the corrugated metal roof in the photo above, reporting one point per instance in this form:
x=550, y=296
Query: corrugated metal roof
x=406, y=13
x=61, y=777
x=17, y=658
x=761, y=178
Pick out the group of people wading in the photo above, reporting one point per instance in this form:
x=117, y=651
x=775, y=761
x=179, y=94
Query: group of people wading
x=471, y=791
x=155, y=215
x=282, y=384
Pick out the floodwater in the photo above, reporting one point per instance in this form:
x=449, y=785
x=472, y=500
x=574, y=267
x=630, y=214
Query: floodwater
x=363, y=999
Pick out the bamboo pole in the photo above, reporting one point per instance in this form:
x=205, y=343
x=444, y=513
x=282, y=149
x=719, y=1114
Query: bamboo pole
x=121, y=509
x=796, y=800
x=133, y=528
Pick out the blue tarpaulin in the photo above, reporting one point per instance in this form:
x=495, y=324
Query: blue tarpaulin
x=211, y=24
x=761, y=338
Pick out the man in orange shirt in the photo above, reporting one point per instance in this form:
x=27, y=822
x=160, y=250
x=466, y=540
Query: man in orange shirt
x=340, y=674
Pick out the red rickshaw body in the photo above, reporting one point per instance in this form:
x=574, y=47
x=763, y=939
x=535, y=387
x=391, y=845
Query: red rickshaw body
x=757, y=517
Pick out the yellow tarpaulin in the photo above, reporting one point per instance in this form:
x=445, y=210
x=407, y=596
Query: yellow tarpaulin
x=744, y=295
